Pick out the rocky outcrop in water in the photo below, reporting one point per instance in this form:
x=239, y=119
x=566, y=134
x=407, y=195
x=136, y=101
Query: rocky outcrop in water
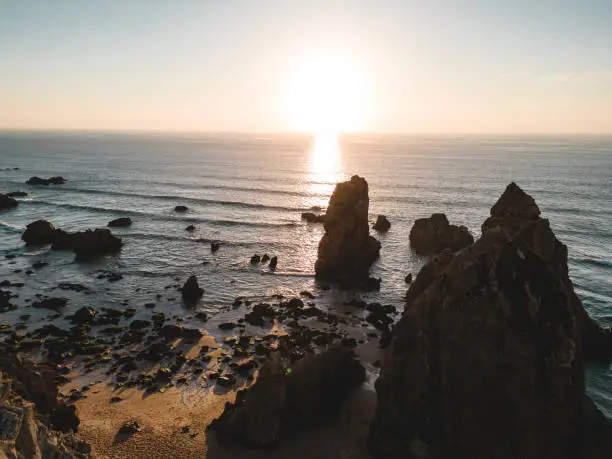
x=7, y=202
x=49, y=181
x=181, y=209
x=285, y=400
x=429, y=236
x=382, y=224
x=122, y=222
x=488, y=358
x=17, y=194
x=91, y=244
x=39, y=232
x=347, y=250
x=311, y=217
x=191, y=291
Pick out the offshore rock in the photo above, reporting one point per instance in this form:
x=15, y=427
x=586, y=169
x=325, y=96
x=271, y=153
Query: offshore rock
x=49, y=181
x=311, y=217
x=286, y=399
x=7, y=202
x=488, y=358
x=429, y=236
x=347, y=250
x=39, y=232
x=191, y=291
x=512, y=210
x=91, y=244
x=382, y=224
x=122, y=222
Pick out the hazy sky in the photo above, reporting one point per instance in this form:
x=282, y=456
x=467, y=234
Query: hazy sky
x=403, y=65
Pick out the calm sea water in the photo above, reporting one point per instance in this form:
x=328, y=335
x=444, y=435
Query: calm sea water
x=249, y=191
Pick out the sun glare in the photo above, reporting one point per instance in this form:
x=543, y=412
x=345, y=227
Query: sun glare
x=326, y=96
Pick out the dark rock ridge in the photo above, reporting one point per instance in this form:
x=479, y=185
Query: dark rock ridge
x=488, y=358
x=120, y=222
x=311, y=217
x=287, y=399
x=7, y=202
x=382, y=224
x=49, y=181
x=17, y=194
x=191, y=291
x=429, y=236
x=347, y=250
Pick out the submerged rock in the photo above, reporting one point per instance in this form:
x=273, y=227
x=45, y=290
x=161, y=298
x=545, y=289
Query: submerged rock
x=347, y=250
x=50, y=181
x=311, y=217
x=191, y=291
x=17, y=194
x=488, y=358
x=50, y=303
x=429, y=236
x=92, y=244
x=120, y=222
x=382, y=224
x=6, y=202
x=284, y=400
x=39, y=232
x=84, y=315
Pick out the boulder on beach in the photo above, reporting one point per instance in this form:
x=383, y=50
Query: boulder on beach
x=120, y=222
x=347, y=250
x=285, y=399
x=7, y=202
x=311, y=217
x=488, y=358
x=382, y=224
x=181, y=209
x=50, y=181
x=39, y=232
x=191, y=291
x=429, y=236
x=91, y=244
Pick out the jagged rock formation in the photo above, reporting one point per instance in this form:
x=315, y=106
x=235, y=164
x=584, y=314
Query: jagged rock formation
x=432, y=235
x=382, y=224
x=347, y=250
x=284, y=400
x=488, y=358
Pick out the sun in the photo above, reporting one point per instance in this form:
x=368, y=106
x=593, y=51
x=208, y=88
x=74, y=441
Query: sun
x=326, y=95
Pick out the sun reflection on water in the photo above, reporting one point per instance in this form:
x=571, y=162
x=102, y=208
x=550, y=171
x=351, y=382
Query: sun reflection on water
x=325, y=167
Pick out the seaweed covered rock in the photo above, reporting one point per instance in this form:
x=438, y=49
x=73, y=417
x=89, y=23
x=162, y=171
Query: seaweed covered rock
x=347, y=250
x=39, y=232
x=429, y=236
x=285, y=399
x=488, y=358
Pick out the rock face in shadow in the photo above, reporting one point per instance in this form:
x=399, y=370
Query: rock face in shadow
x=7, y=202
x=488, y=358
x=382, y=224
x=39, y=232
x=49, y=181
x=429, y=236
x=287, y=399
x=122, y=222
x=191, y=291
x=91, y=244
x=347, y=250
x=311, y=217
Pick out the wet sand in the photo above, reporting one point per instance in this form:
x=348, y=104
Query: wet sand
x=162, y=418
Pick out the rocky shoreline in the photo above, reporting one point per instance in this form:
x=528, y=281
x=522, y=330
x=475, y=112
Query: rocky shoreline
x=470, y=296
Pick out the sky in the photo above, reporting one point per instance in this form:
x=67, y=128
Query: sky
x=398, y=66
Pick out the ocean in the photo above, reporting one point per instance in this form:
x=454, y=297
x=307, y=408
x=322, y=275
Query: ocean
x=248, y=193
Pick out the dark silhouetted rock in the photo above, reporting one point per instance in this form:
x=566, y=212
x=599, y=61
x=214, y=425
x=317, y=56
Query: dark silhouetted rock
x=382, y=225
x=429, y=236
x=190, y=228
x=181, y=209
x=513, y=209
x=91, y=244
x=347, y=250
x=85, y=315
x=284, y=401
x=49, y=181
x=64, y=241
x=120, y=222
x=191, y=290
x=408, y=278
x=50, y=303
x=311, y=217
x=265, y=258
x=129, y=428
x=273, y=262
x=39, y=232
x=6, y=202
x=488, y=358
x=214, y=246
x=255, y=259
x=17, y=194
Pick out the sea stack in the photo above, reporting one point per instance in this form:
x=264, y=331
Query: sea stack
x=432, y=235
x=347, y=250
x=488, y=358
